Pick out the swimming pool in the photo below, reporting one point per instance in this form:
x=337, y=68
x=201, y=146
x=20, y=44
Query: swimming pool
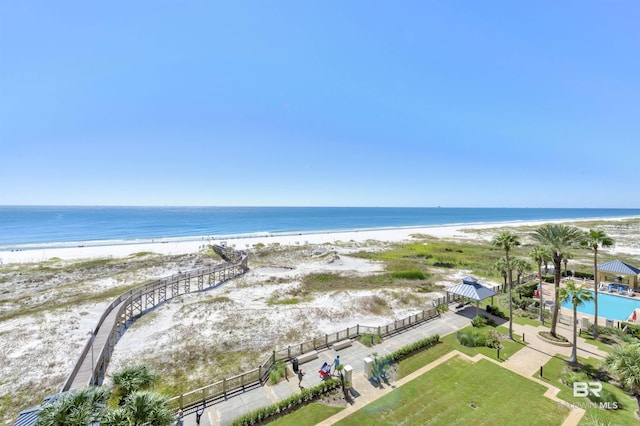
x=609, y=306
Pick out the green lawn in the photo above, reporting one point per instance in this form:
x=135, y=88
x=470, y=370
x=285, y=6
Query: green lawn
x=444, y=396
x=450, y=342
x=625, y=416
x=307, y=415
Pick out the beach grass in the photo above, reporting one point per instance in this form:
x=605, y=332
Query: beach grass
x=461, y=392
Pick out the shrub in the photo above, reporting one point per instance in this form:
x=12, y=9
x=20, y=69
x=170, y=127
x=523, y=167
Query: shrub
x=493, y=340
x=262, y=414
x=496, y=311
x=369, y=340
x=569, y=377
x=607, y=399
x=471, y=338
x=478, y=321
x=442, y=308
x=277, y=372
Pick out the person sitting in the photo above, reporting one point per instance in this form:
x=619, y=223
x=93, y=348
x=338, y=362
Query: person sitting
x=326, y=368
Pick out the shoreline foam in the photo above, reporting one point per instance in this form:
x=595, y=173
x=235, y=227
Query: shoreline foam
x=28, y=253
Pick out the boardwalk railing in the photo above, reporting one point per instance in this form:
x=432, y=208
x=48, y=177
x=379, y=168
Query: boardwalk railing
x=131, y=305
x=259, y=375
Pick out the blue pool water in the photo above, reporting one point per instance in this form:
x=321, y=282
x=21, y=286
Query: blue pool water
x=609, y=306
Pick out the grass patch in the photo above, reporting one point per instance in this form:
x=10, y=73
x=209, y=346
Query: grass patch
x=289, y=301
x=552, y=373
x=450, y=343
x=596, y=342
x=221, y=299
x=310, y=414
x=411, y=274
x=460, y=392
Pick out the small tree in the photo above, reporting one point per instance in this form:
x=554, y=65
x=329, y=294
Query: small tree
x=75, y=408
x=539, y=256
x=506, y=241
x=624, y=362
x=521, y=266
x=595, y=239
x=577, y=295
x=558, y=239
x=133, y=378
x=500, y=265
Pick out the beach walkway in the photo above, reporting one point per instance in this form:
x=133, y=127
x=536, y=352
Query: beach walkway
x=525, y=362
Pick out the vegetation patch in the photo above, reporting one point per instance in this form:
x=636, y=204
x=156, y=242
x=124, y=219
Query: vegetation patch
x=460, y=392
x=369, y=339
x=558, y=373
x=265, y=414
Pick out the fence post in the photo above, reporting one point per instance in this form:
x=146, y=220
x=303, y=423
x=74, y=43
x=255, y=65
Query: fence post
x=326, y=339
x=358, y=329
x=224, y=387
x=347, y=332
x=379, y=334
x=289, y=351
x=259, y=373
x=181, y=400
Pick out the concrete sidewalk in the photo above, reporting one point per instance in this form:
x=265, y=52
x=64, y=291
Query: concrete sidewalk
x=525, y=362
x=222, y=413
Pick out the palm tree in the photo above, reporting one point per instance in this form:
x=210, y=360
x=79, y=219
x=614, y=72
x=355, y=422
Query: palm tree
x=500, y=265
x=624, y=362
x=521, y=266
x=594, y=239
x=578, y=295
x=540, y=255
x=141, y=408
x=558, y=239
x=75, y=408
x=133, y=378
x=506, y=240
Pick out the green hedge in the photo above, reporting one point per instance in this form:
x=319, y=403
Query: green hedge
x=264, y=414
x=408, y=350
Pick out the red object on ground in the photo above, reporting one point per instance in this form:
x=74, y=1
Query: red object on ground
x=537, y=293
x=633, y=315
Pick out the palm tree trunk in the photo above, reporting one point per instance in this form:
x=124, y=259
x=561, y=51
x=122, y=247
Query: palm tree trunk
x=574, y=350
x=510, y=298
x=556, y=282
x=540, y=290
x=595, y=292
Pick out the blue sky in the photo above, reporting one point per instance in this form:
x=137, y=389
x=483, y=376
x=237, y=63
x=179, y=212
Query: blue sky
x=320, y=103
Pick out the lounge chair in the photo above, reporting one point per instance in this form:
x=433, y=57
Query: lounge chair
x=610, y=287
x=620, y=289
x=630, y=292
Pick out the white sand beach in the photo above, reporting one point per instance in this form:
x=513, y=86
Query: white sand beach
x=239, y=316
x=190, y=245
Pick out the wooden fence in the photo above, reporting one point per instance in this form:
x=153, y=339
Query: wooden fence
x=258, y=376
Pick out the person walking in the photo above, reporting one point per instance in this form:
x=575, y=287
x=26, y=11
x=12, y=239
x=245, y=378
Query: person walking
x=300, y=374
x=199, y=413
x=336, y=363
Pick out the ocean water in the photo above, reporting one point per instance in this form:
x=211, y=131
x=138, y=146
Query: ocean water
x=35, y=226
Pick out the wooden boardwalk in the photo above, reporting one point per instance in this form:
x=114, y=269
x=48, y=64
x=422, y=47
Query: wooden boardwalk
x=126, y=308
